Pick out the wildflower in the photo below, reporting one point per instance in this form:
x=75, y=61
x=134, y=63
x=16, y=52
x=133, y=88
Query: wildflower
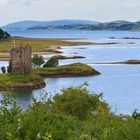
x=38, y=135
x=19, y=120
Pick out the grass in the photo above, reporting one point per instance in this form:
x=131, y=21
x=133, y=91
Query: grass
x=18, y=78
x=38, y=44
x=75, y=69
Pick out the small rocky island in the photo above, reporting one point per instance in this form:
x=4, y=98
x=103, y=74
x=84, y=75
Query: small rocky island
x=70, y=70
x=22, y=75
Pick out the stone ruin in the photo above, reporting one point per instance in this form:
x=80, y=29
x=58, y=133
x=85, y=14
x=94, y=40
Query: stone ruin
x=21, y=59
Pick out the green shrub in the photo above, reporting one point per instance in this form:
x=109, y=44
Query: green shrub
x=51, y=63
x=78, y=102
x=37, y=60
x=9, y=67
x=3, y=69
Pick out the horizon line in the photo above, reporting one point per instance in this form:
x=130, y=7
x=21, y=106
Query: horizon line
x=22, y=20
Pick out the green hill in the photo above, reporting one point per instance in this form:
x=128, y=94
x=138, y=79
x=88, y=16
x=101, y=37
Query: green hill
x=107, y=26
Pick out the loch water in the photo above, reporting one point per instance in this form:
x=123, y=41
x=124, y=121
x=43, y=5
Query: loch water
x=119, y=83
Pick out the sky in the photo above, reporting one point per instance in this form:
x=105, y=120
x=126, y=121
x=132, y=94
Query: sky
x=44, y=10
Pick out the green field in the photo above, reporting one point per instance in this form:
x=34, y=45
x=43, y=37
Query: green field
x=37, y=44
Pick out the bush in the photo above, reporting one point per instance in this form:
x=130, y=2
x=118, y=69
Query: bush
x=3, y=69
x=37, y=60
x=78, y=102
x=51, y=63
x=73, y=113
x=9, y=67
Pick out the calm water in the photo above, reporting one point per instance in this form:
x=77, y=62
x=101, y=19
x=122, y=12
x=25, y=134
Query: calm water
x=119, y=83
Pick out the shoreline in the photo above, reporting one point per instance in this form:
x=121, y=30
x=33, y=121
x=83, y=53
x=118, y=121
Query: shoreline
x=46, y=46
x=35, y=80
x=15, y=81
x=69, y=70
x=129, y=62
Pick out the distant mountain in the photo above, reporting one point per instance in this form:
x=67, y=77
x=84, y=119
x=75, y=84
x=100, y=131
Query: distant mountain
x=23, y=25
x=108, y=26
x=119, y=25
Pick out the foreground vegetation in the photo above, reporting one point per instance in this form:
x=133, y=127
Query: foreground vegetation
x=76, y=69
x=72, y=114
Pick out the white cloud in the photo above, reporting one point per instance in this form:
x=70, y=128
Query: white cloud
x=100, y=10
x=2, y=2
x=22, y=2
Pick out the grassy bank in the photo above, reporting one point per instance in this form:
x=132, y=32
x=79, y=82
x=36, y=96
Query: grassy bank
x=72, y=114
x=20, y=81
x=35, y=79
x=76, y=69
x=38, y=44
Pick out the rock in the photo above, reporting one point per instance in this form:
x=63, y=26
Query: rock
x=34, y=84
x=61, y=57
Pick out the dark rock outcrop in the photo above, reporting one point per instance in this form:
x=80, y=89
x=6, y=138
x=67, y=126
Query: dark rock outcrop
x=61, y=57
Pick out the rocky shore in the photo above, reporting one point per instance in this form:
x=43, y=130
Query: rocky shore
x=35, y=85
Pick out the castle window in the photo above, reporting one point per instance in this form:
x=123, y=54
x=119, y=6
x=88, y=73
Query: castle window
x=20, y=56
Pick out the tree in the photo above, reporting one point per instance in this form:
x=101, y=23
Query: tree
x=37, y=60
x=3, y=34
x=9, y=67
x=6, y=35
x=3, y=69
x=79, y=102
x=51, y=63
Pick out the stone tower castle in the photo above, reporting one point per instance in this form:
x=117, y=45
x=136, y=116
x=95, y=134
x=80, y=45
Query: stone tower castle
x=21, y=59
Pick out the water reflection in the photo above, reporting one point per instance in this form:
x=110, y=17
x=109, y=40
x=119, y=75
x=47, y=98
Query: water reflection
x=24, y=95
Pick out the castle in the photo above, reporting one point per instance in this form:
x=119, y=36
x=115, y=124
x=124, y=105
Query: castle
x=21, y=59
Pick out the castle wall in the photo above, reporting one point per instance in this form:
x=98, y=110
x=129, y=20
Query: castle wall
x=21, y=60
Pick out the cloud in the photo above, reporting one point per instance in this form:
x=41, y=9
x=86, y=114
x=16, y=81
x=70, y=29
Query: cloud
x=100, y=10
x=28, y=2
x=2, y=2
x=21, y=2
